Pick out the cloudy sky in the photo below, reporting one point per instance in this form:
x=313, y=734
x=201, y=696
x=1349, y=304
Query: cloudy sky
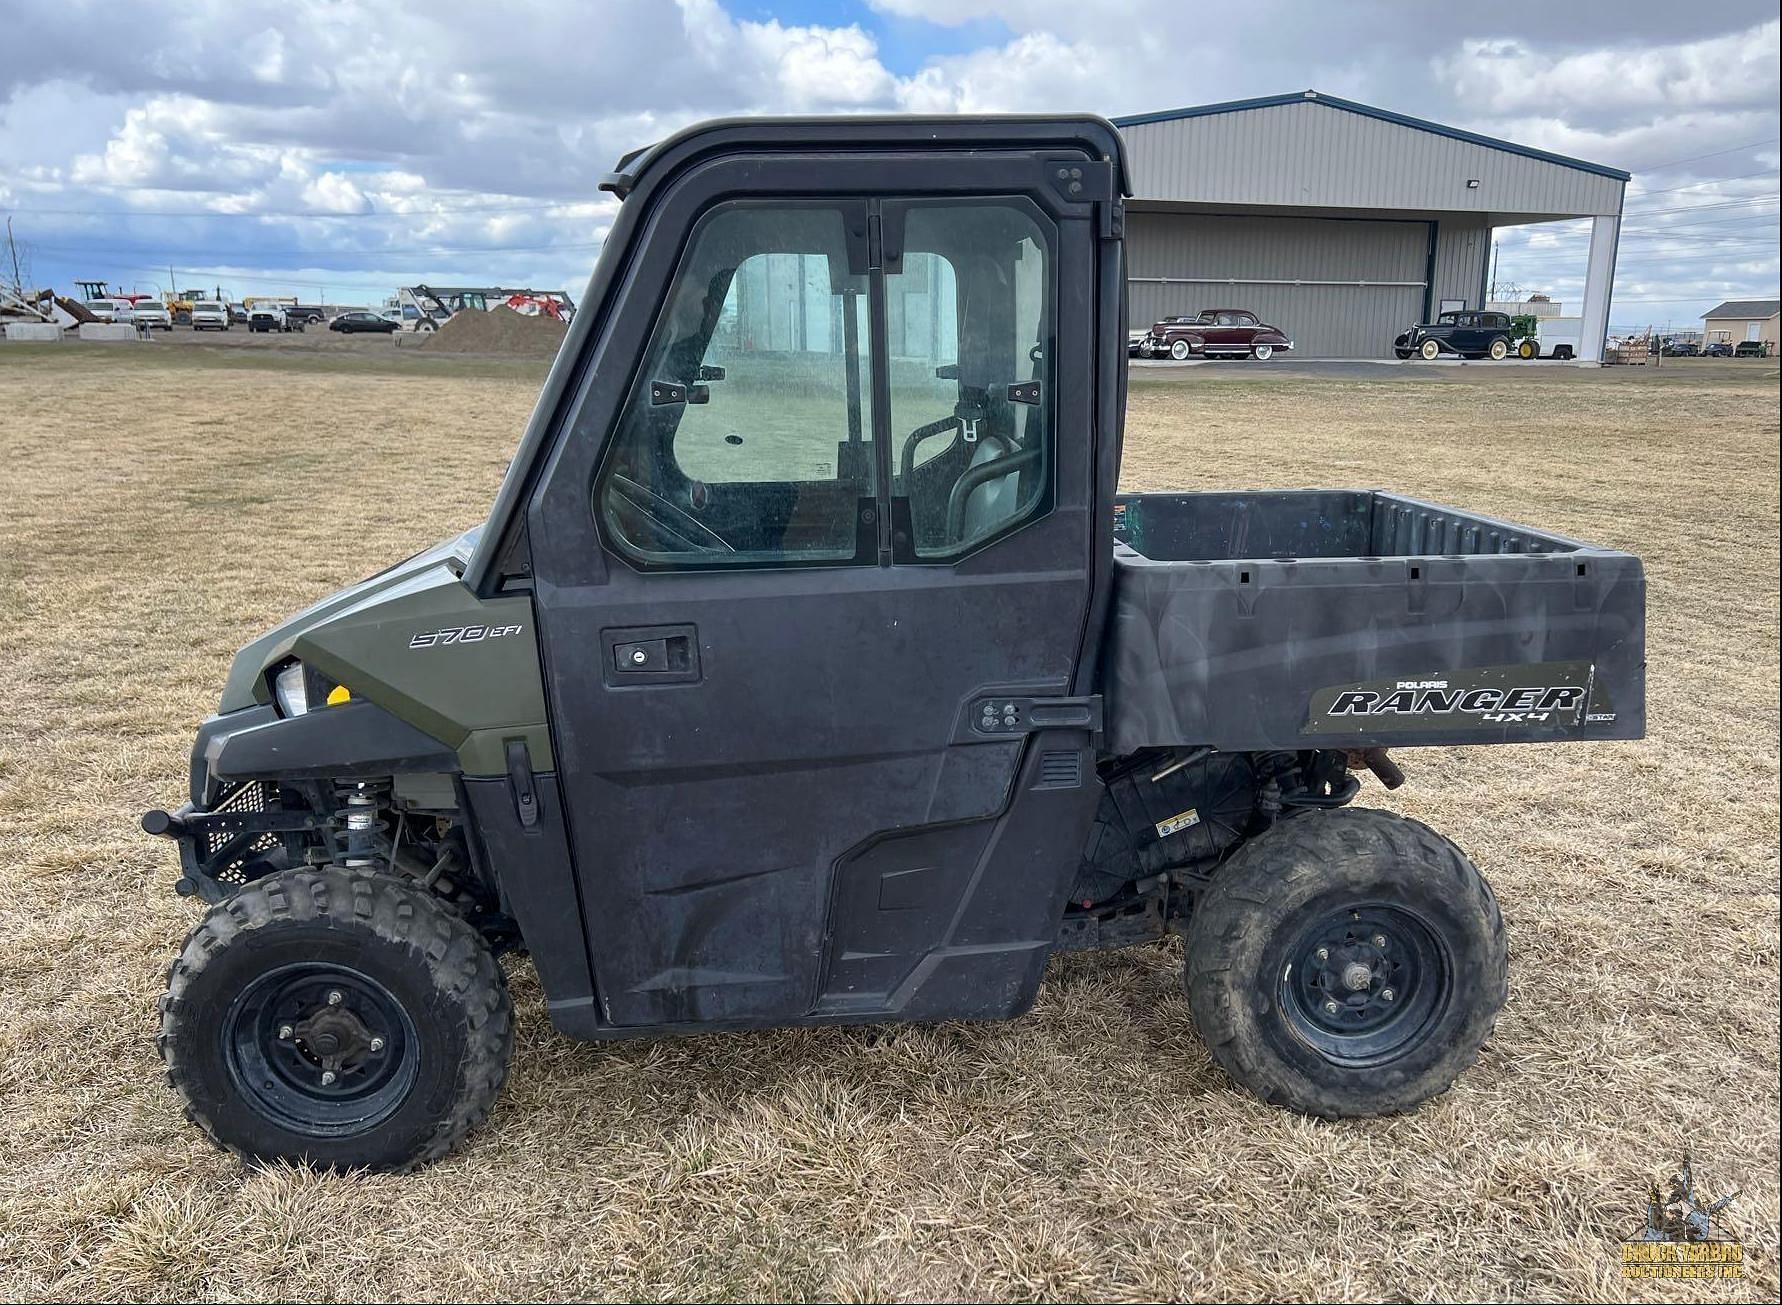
x=317, y=146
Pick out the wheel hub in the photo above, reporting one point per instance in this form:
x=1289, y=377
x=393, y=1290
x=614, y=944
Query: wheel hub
x=323, y=1049
x=1362, y=983
x=335, y=1038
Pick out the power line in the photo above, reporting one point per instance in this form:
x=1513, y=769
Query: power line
x=1696, y=185
x=273, y=216
x=1697, y=158
x=438, y=251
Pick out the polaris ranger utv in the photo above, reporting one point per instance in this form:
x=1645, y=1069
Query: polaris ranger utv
x=809, y=670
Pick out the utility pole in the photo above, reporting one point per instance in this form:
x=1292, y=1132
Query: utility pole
x=1495, y=252
x=13, y=249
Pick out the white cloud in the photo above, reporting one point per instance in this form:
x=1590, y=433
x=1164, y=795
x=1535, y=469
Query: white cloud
x=1508, y=77
x=461, y=125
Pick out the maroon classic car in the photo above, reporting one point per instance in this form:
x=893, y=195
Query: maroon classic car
x=1214, y=333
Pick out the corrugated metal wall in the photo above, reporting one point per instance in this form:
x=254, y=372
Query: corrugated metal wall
x=1317, y=155
x=1463, y=247
x=1182, y=263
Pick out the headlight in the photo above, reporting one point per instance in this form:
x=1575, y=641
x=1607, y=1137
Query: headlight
x=289, y=688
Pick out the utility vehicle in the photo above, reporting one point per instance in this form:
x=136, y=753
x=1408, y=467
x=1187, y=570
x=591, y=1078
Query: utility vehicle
x=809, y=670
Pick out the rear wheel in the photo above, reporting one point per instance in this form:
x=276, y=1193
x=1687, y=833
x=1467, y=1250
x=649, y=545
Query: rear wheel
x=1263, y=352
x=1500, y=349
x=336, y=1018
x=1348, y=962
x=1179, y=350
x=1527, y=350
x=1430, y=350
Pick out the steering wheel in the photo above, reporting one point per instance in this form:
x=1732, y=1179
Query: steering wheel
x=679, y=520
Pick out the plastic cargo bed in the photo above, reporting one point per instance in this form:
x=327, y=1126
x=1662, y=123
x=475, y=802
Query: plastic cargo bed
x=1358, y=618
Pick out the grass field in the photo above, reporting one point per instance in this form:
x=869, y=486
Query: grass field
x=159, y=508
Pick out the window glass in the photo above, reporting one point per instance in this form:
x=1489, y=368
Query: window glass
x=747, y=436
x=969, y=338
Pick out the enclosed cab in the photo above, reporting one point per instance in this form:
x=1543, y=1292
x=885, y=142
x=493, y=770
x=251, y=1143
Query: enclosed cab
x=809, y=670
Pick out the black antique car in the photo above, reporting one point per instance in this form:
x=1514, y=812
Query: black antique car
x=1463, y=333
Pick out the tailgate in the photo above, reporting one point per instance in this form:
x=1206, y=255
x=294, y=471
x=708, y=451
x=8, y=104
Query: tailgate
x=1508, y=635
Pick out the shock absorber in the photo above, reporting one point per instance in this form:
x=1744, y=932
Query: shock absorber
x=360, y=815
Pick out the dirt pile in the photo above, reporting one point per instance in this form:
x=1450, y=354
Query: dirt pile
x=498, y=331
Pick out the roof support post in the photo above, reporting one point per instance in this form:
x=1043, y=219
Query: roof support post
x=1599, y=279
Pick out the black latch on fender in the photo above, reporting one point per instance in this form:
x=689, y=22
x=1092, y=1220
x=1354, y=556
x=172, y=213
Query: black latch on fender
x=520, y=783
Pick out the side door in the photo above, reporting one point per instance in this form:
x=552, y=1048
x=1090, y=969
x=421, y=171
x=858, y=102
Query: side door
x=813, y=571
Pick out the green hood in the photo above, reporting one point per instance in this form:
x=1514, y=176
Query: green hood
x=415, y=640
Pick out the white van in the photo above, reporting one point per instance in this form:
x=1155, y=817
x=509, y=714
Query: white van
x=111, y=310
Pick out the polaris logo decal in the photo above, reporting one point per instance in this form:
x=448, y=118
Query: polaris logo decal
x=461, y=634
x=1562, y=694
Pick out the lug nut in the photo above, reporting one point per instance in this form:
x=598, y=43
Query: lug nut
x=1331, y=1008
x=377, y=1044
x=327, y=1077
x=1324, y=953
x=334, y=998
x=1386, y=994
x=1379, y=940
x=285, y=1030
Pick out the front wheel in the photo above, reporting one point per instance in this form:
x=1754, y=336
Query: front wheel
x=1180, y=350
x=1500, y=349
x=1263, y=352
x=1527, y=350
x=336, y=1018
x=1347, y=963
x=1430, y=350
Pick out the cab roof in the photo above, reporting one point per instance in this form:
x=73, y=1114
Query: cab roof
x=1088, y=132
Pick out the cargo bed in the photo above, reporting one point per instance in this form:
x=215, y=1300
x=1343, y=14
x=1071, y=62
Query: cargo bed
x=1357, y=618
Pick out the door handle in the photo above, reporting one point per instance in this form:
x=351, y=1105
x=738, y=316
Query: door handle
x=650, y=654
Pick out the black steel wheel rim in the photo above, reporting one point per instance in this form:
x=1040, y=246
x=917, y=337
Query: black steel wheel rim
x=321, y=1049
x=1366, y=984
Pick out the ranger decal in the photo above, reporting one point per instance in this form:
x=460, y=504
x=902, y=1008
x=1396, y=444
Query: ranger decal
x=1563, y=694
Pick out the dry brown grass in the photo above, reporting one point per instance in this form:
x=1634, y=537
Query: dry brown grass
x=159, y=509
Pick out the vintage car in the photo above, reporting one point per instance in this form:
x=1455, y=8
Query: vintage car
x=1214, y=333
x=1466, y=334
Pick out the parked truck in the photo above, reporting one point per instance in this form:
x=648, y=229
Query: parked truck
x=771, y=693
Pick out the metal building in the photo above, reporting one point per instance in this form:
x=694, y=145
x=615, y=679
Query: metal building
x=1339, y=222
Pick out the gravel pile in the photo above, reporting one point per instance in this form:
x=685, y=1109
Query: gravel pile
x=498, y=331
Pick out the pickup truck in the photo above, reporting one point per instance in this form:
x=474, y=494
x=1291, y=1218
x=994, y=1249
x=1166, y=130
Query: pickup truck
x=797, y=681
